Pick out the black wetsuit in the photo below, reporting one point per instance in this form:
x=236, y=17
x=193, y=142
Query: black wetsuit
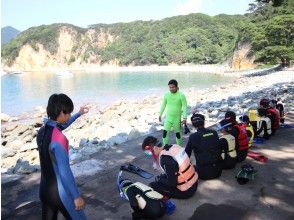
x=205, y=144
x=166, y=184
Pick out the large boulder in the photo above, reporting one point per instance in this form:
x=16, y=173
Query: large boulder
x=15, y=144
x=28, y=147
x=24, y=167
x=117, y=139
x=21, y=129
x=10, y=127
x=214, y=114
x=134, y=133
x=7, y=152
x=4, y=117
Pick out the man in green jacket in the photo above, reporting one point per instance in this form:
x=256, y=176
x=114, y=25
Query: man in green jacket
x=176, y=104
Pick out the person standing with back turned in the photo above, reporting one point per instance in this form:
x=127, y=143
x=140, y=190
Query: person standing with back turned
x=176, y=104
x=58, y=190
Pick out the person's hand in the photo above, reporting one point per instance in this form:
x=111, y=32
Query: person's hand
x=79, y=203
x=84, y=110
x=157, y=178
x=159, y=118
x=184, y=121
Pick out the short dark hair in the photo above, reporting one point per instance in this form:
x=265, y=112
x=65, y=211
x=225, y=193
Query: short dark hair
x=264, y=103
x=231, y=116
x=261, y=111
x=198, y=120
x=244, y=118
x=173, y=82
x=150, y=141
x=58, y=103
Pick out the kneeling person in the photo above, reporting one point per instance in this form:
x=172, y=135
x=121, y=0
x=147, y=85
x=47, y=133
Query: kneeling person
x=263, y=125
x=240, y=133
x=179, y=179
x=205, y=144
x=145, y=202
x=228, y=145
x=249, y=129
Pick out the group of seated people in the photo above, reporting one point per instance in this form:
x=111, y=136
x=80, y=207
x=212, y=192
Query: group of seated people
x=213, y=152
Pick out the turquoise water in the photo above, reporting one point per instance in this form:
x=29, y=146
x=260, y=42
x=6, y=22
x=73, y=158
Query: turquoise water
x=21, y=93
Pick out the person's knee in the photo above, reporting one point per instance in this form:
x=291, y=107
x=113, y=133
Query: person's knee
x=178, y=135
x=164, y=133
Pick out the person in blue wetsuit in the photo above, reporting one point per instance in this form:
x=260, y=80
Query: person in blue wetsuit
x=58, y=190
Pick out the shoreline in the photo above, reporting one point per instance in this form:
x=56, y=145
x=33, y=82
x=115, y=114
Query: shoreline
x=101, y=129
x=26, y=114
x=204, y=68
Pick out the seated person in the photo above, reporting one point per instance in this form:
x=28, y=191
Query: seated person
x=280, y=107
x=272, y=113
x=239, y=132
x=205, y=145
x=249, y=129
x=145, y=202
x=264, y=125
x=179, y=179
x=227, y=143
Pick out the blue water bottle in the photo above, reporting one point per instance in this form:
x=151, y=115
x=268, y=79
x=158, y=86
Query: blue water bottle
x=170, y=207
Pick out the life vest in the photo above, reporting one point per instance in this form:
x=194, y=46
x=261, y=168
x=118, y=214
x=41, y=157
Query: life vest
x=242, y=137
x=147, y=190
x=249, y=128
x=274, y=112
x=268, y=125
x=186, y=176
x=231, y=146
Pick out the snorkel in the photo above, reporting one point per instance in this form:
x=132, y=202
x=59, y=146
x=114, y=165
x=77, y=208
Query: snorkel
x=150, y=152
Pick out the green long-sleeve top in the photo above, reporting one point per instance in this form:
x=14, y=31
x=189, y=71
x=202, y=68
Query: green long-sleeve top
x=176, y=105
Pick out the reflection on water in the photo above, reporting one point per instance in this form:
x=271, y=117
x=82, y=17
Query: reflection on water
x=23, y=92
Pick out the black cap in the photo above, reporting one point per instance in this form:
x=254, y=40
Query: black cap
x=231, y=114
x=197, y=118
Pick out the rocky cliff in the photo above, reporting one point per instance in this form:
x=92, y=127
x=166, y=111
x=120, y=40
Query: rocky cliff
x=72, y=51
x=242, y=57
x=193, y=39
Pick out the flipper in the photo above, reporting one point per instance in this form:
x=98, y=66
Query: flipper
x=257, y=156
x=136, y=170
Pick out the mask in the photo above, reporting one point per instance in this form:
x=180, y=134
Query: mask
x=148, y=153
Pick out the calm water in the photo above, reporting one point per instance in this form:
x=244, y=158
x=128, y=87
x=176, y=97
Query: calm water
x=23, y=92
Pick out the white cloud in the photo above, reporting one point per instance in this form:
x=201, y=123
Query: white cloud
x=188, y=6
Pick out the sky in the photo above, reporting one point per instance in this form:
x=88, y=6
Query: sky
x=23, y=14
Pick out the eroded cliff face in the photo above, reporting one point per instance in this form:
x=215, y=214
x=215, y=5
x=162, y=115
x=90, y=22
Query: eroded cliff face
x=72, y=51
x=242, y=59
x=78, y=50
